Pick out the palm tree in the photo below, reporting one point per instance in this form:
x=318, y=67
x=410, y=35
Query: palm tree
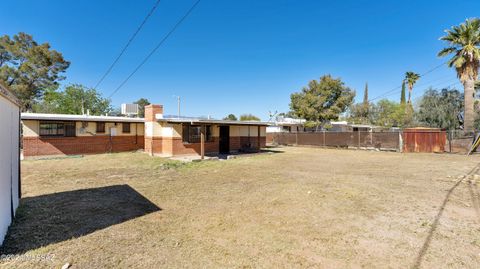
x=411, y=78
x=464, y=42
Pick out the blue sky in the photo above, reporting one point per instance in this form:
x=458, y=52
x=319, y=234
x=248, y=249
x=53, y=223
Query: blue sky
x=242, y=56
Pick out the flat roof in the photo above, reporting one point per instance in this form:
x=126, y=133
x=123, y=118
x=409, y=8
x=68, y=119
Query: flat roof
x=208, y=121
x=67, y=117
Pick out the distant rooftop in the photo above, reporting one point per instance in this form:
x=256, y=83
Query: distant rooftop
x=193, y=120
x=280, y=120
x=167, y=118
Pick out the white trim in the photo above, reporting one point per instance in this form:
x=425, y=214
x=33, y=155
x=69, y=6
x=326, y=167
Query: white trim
x=220, y=122
x=66, y=117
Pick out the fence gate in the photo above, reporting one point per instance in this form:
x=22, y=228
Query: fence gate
x=9, y=159
x=424, y=140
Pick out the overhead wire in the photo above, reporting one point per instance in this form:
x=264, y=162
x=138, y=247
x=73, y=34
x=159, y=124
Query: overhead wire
x=110, y=68
x=162, y=41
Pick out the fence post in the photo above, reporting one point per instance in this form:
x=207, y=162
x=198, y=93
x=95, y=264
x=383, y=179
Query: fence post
x=371, y=139
x=450, y=141
x=296, y=139
x=358, y=139
x=400, y=142
x=323, y=138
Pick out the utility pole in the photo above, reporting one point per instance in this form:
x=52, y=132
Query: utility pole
x=178, y=100
x=178, y=105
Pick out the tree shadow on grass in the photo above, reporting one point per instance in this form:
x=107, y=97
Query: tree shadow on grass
x=428, y=240
x=56, y=217
x=475, y=196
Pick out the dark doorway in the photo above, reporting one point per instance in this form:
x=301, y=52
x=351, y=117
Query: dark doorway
x=224, y=139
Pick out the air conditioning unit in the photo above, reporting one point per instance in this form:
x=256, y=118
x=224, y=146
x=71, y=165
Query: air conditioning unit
x=130, y=109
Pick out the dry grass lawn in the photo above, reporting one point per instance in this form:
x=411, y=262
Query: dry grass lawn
x=305, y=207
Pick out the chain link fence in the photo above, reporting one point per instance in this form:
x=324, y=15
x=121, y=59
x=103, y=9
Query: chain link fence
x=367, y=140
x=458, y=142
x=453, y=141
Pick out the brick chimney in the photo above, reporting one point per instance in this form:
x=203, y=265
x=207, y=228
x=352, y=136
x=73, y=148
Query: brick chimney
x=151, y=111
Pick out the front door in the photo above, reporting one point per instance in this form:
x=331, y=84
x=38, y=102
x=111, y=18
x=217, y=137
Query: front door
x=224, y=139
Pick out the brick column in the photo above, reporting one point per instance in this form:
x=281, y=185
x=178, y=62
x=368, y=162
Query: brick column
x=151, y=111
x=152, y=141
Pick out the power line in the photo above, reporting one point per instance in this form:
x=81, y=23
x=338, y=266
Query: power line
x=396, y=88
x=443, y=87
x=128, y=43
x=156, y=47
x=443, y=81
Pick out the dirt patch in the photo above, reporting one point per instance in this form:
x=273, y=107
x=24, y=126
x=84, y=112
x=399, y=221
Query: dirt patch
x=301, y=208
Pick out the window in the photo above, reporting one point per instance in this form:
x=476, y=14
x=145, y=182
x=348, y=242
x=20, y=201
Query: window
x=191, y=133
x=52, y=128
x=287, y=129
x=100, y=127
x=126, y=128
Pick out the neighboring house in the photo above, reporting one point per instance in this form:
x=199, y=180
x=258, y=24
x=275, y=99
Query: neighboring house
x=343, y=126
x=10, y=189
x=59, y=134
x=287, y=125
x=186, y=136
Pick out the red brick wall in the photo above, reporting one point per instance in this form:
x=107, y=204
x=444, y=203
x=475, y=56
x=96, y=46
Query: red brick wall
x=251, y=142
x=38, y=146
x=235, y=143
x=180, y=148
x=175, y=146
x=153, y=143
x=151, y=111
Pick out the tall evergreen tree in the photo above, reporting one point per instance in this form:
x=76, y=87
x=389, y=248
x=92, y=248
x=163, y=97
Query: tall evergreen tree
x=365, y=95
x=403, y=100
x=29, y=68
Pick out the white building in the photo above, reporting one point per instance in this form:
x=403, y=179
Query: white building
x=344, y=126
x=286, y=125
x=9, y=159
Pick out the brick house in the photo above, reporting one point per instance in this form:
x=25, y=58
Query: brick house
x=171, y=136
x=60, y=134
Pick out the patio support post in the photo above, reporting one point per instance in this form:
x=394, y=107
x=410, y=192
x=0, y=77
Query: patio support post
x=202, y=141
x=258, y=138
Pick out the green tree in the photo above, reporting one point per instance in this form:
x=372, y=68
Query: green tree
x=388, y=113
x=29, y=68
x=142, y=102
x=402, y=95
x=289, y=114
x=74, y=99
x=440, y=108
x=359, y=113
x=411, y=78
x=230, y=117
x=249, y=117
x=464, y=43
x=322, y=101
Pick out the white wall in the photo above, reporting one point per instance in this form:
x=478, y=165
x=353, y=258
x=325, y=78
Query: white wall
x=9, y=162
